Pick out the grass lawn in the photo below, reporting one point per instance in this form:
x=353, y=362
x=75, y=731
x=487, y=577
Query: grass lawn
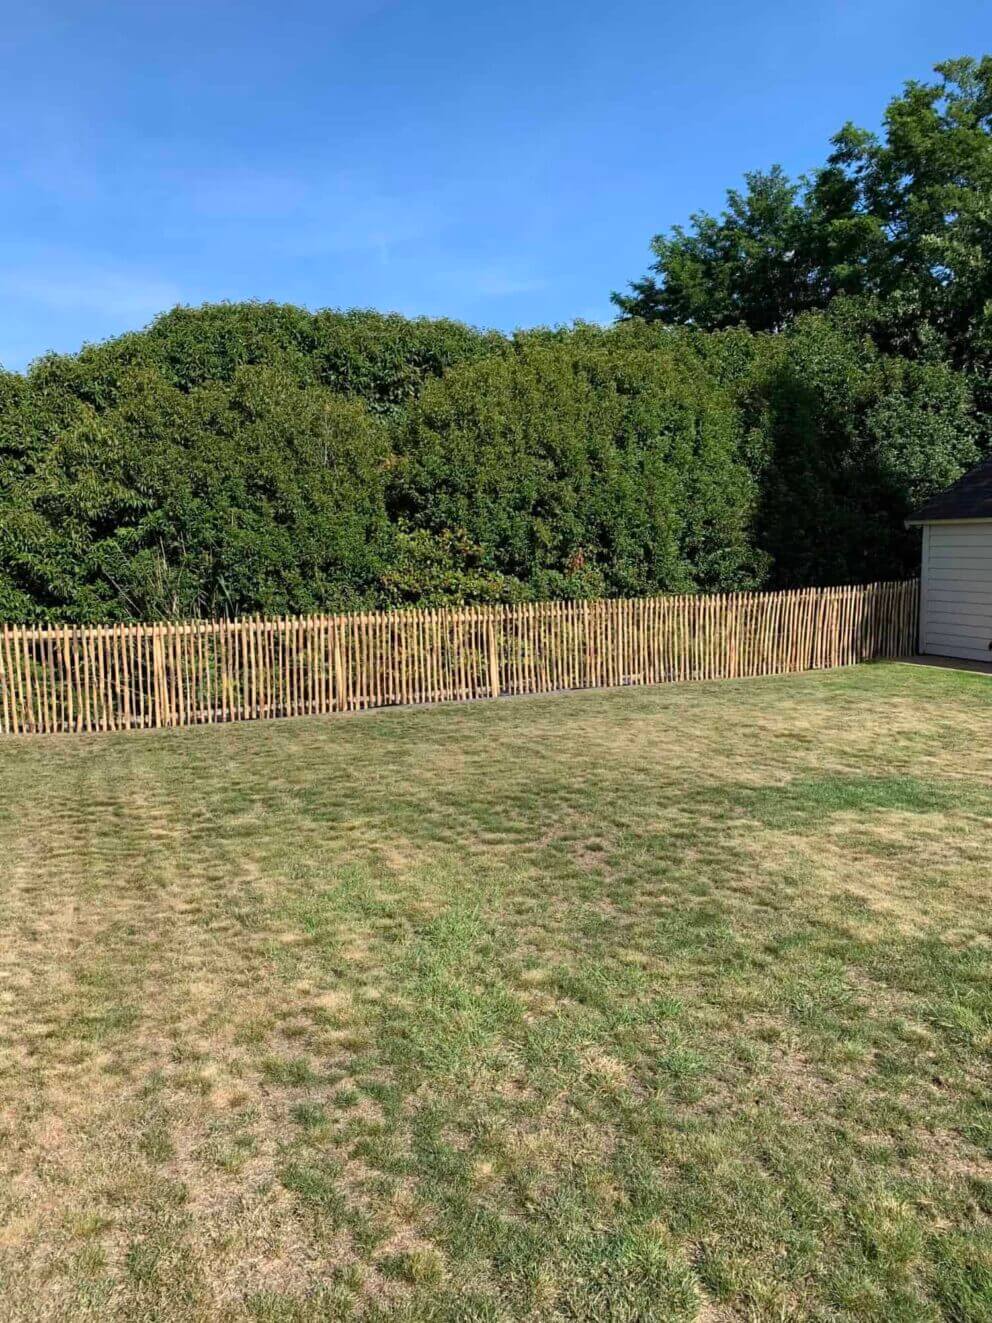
x=645, y=1004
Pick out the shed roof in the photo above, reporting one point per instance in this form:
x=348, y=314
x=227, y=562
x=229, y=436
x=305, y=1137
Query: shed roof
x=968, y=498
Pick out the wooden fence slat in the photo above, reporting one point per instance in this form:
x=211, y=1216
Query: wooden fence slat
x=6, y=700
x=121, y=677
x=13, y=668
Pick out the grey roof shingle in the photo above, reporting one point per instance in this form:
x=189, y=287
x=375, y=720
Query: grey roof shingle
x=968, y=498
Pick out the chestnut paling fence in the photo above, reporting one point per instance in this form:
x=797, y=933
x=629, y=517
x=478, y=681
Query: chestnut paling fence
x=122, y=677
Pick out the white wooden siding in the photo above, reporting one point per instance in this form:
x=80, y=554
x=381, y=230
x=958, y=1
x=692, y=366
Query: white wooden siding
x=956, y=590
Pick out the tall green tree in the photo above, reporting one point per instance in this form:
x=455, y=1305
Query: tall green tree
x=852, y=440
x=905, y=219
x=897, y=221
x=752, y=266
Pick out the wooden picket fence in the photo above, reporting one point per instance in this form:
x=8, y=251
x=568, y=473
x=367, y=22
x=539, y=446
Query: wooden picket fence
x=123, y=677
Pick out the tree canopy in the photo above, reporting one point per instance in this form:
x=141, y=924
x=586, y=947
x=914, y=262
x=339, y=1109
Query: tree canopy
x=897, y=221
x=253, y=494
x=584, y=465
x=216, y=464
x=785, y=384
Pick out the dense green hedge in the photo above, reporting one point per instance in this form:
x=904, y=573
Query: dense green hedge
x=257, y=457
x=584, y=466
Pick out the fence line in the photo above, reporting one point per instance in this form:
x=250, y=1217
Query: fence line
x=124, y=677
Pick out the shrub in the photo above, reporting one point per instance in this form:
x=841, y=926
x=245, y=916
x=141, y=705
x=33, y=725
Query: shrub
x=581, y=465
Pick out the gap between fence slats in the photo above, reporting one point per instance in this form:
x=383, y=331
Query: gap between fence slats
x=67, y=678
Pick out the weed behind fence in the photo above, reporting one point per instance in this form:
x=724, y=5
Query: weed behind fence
x=121, y=677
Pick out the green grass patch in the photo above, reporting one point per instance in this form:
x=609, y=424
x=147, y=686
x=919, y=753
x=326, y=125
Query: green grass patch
x=647, y=1005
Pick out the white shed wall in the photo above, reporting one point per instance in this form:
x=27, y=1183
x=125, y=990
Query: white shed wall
x=956, y=590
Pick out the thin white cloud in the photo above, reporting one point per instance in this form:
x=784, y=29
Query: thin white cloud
x=110, y=292
x=345, y=218
x=495, y=279
x=296, y=213
x=495, y=282
x=242, y=193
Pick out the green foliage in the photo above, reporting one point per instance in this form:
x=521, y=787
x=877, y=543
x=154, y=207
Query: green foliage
x=749, y=267
x=581, y=466
x=231, y=458
x=854, y=440
x=383, y=359
x=217, y=464
x=254, y=494
x=789, y=382
x=439, y=568
x=904, y=219
x=899, y=223
x=857, y=415
x=842, y=440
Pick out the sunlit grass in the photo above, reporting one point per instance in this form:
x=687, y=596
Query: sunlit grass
x=655, y=1004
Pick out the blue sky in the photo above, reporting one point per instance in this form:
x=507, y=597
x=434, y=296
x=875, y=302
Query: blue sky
x=504, y=163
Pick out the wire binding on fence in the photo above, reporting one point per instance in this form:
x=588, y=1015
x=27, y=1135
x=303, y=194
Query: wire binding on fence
x=63, y=678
